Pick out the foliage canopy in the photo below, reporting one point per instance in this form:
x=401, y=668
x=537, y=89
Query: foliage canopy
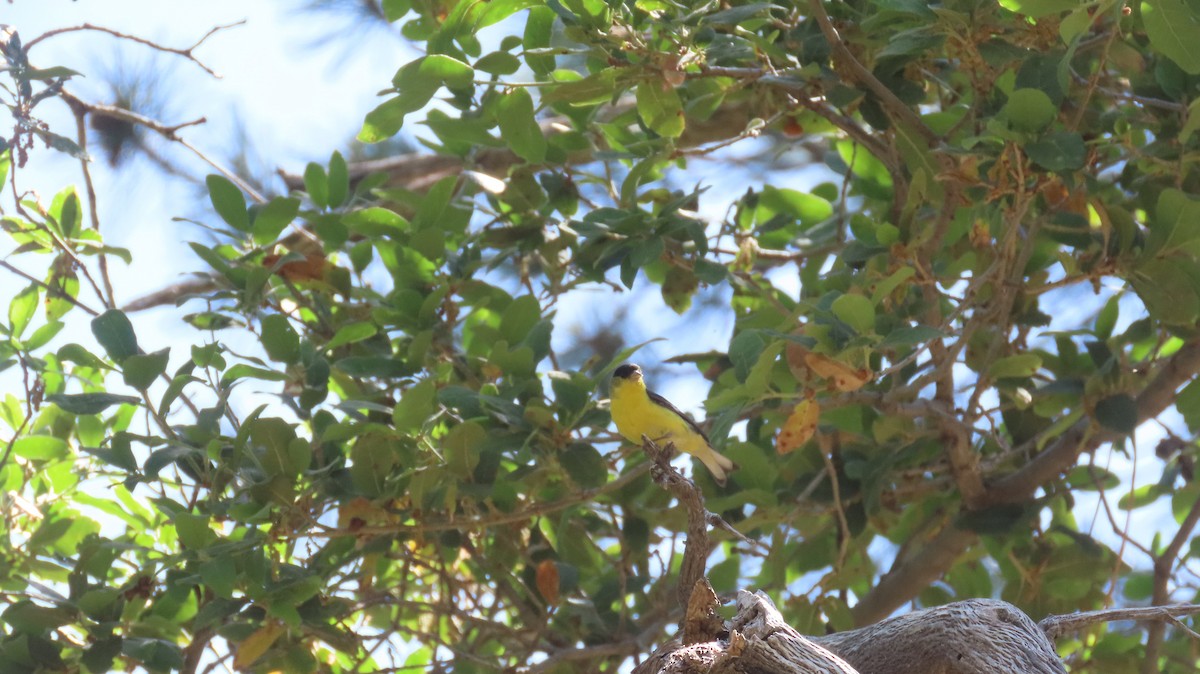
x=998, y=284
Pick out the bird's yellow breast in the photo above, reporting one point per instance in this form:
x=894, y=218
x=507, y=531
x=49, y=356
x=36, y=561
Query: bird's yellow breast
x=635, y=415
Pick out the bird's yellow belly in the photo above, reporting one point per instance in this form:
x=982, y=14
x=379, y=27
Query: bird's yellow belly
x=634, y=420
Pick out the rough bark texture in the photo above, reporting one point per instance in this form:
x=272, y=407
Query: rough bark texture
x=979, y=636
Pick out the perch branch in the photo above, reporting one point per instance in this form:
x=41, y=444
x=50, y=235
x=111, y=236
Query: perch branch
x=695, y=551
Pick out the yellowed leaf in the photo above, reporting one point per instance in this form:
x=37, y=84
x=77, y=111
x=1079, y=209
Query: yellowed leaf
x=799, y=427
x=841, y=376
x=254, y=646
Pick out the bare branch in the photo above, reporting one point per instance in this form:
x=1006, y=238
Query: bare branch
x=186, y=53
x=1057, y=625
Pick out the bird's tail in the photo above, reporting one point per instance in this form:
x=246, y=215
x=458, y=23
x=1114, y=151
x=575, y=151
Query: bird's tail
x=719, y=465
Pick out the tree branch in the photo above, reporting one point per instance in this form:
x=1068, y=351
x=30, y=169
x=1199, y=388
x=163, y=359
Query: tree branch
x=1085, y=436
x=1057, y=625
x=909, y=576
x=186, y=53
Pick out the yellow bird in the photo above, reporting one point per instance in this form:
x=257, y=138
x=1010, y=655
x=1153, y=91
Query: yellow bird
x=638, y=411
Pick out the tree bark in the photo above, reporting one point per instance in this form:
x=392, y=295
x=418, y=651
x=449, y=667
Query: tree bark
x=978, y=636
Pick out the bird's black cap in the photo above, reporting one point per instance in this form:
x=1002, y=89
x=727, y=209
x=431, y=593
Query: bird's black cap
x=626, y=371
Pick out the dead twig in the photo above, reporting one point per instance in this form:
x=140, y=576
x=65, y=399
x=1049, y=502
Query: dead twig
x=185, y=53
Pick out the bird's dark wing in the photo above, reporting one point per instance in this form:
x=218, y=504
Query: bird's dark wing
x=663, y=402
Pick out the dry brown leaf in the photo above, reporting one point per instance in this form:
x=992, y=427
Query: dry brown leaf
x=311, y=268
x=795, y=355
x=800, y=426
x=360, y=512
x=547, y=581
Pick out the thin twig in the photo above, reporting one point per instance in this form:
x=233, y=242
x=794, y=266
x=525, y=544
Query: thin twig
x=186, y=53
x=170, y=132
x=57, y=292
x=93, y=210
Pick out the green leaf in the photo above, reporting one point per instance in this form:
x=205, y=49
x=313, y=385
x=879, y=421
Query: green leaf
x=228, y=201
x=1029, y=110
x=74, y=353
x=40, y=447
x=28, y=617
x=856, y=311
x=272, y=218
x=887, y=286
x=519, y=318
x=518, y=128
x=498, y=63
x=89, y=403
x=1168, y=289
x=354, y=332
x=808, y=209
x=416, y=83
x=242, y=370
x=1039, y=8
x=282, y=452
x=1188, y=404
x=591, y=90
x=539, y=29
x=21, y=309
x=416, y=406
x=1192, y=124
x=585, y=465
x=156, y=655
x=1141, y=496
x=115, y=333
x=141, y=371
x=194, y=532
x=385, y=120
x=1013, y=367
x=1058, y=151
x=659, y=106
x=375, y=221
x=1119, y=413
x=316, y=183
x=119, y=453
x=1092, y=478
x=1176, y=224
x=61, y=143
x=372, y=460
x=1106, y=319
x=280, y=339
x=1173, y=27
x=498, y=10
x=708, y=271
x=339, y=180
x=910, y=336
x=51, y=73
x=394, y=10
x=209, y=320
x=744, y=351
x=220, y=574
